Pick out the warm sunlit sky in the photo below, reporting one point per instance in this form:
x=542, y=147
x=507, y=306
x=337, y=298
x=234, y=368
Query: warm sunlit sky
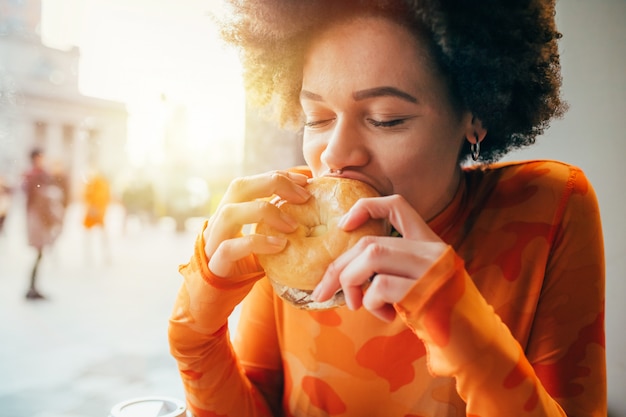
x=136, y=50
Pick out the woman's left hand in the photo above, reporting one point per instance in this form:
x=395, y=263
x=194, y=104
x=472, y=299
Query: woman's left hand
x=393, y=263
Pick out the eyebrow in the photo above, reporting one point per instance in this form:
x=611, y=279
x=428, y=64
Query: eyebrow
x=365, y=94
x=383, y=91
x=311, y=96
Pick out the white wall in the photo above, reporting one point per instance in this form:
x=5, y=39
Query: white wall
x=592, y=135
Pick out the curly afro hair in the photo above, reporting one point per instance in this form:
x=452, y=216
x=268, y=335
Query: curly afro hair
x=500, y=57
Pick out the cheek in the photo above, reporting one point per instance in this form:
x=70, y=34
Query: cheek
x=399, y=167
x=414, y=164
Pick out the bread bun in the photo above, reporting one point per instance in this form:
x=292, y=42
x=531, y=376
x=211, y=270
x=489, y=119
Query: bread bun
x=297, y=269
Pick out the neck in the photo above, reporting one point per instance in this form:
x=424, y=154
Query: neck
x=445, y=197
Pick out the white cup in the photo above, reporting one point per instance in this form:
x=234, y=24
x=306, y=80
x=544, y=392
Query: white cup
x=150, y=407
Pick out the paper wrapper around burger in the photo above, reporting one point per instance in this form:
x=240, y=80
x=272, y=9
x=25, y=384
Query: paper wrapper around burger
x=296, y=270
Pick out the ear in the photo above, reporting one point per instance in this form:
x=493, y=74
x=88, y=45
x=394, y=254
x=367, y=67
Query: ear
x=475, y=131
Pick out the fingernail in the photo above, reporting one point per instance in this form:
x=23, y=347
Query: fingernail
x=342, y=221
x=303, y=192
x=289, y=220
x=276, y=241
x=316, y=292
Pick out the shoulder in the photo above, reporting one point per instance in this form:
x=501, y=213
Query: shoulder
x=543, y=188
x=540, y=175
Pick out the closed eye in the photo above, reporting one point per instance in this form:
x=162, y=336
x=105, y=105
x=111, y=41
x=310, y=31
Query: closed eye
x=317, y=123
x=386, y=123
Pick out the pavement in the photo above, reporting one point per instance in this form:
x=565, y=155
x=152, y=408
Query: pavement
x=100, y=337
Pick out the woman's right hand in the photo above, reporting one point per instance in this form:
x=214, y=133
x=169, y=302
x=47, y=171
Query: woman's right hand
x=247, y=202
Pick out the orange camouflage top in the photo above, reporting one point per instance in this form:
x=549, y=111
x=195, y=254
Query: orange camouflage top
x=508, y=322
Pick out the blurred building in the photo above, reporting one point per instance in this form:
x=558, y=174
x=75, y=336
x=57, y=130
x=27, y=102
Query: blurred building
x=40, y=103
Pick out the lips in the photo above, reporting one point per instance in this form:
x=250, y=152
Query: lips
x=353, y=175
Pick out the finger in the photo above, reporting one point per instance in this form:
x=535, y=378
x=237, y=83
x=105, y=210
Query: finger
x=376, y=257
x=396, y=209
x=232, y=250
x=383, y=292
x=257, y=211
x=334, y=278
x=247, y=189
x=355, y=267
x=288, y=185
x=228, y=220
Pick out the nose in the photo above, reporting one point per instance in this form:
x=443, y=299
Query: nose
x=345, y=148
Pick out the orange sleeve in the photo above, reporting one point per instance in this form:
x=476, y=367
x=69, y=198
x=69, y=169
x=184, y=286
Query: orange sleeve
x=215, y=384
x=257, y=345
x=561, y=371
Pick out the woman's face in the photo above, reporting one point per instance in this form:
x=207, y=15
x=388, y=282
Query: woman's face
x=377, y=109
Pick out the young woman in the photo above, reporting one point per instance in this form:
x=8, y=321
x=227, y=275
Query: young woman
x=489, y=302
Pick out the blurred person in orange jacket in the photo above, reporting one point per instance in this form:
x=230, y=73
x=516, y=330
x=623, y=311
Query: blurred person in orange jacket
x=97, y=197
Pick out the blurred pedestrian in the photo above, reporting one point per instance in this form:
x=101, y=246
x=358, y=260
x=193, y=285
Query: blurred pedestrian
x=61, y=180
x=46, y=200
x=97, y=197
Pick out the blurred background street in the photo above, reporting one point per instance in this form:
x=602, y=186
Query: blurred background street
x=142, y=98
x=100, y=337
